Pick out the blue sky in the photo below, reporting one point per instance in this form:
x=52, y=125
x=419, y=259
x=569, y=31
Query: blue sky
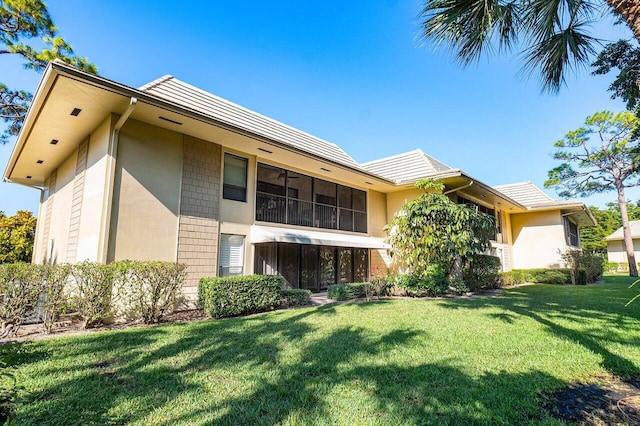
x=353, y=73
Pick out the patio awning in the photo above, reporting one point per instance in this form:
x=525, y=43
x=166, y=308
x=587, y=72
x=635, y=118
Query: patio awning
x=272, y=234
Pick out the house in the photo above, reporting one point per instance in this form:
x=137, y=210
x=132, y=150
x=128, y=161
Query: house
x=615, y=247
x=170, y=172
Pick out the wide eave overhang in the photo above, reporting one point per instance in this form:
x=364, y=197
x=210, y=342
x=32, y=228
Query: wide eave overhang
x=63, y=88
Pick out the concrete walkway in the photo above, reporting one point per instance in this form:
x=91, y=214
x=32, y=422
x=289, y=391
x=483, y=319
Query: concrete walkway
x=321, y=299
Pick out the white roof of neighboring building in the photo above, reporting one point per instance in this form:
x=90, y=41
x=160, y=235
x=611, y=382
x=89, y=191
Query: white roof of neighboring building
x=407, y=167
x=173, y=90
x=526, y=193
x=634, y=225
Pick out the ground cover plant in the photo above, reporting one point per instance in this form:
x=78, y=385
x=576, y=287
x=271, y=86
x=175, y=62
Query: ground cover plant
x=491, y=360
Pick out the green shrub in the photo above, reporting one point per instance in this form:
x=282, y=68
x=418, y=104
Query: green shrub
x=513, y=277
x=552, y=277
x=20, y=289
x=538, y=275
x=582, y=277
x=239, y=295
x=149, y=290
x=56, y=282
x=94, y=285
x=482, y=271
x=431, y=282
x=296, y=297
x=593, y=265
x=347, y=291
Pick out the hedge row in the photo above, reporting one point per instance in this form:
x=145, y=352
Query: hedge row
x=543, y=276
x=295, y=297
x=136, y=290
x=348, y=291
x=239, y=295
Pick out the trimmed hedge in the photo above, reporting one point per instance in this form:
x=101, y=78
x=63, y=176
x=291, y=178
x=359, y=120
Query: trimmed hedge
x=347, y=291
x=542, y=276
x=239, y=295
x=296, y=297
x=482, y=272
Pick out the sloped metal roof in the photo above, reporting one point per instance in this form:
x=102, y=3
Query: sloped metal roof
x=407, y=167
x=178, y=92
x=526, y=193
x=634, y=225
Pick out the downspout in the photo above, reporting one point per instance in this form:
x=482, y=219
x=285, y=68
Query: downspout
x=458, y=188
x=107, y=202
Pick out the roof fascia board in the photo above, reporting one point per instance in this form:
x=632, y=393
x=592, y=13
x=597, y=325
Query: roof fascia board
x=39, y=97
x=124, y=90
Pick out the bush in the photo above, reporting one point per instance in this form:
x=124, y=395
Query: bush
x=56, y=279
x=20, y=288
x=553, y=277
x=582, y=277
x=232, y=296
x=431, y=282
x=297, y=297
x=149, y=290
x=513, y=277
x=94, y=285
x=347, y=291
x=482, y=271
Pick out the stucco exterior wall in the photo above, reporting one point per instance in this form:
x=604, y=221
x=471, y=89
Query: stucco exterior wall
x=395, y=200
x=93, y=193
x=146, y=196
x=537, y=238
x=616, y=252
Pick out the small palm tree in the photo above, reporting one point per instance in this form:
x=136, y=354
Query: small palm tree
x=554, y=34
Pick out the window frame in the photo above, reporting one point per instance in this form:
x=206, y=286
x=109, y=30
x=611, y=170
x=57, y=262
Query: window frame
x=221, y=272
x=228, y=195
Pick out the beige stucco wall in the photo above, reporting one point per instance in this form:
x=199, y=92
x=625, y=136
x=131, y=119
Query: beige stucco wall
x=146, y=197
x=616, y=252
x=94, y=192
x=537, y=239
x=395, y=200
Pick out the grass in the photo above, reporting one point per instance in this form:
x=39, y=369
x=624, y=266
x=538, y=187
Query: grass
x=446, y=361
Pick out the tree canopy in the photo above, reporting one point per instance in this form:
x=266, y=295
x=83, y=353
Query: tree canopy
x=433, y=230
x=17, y=234
x=22, y=21
x=552, y=36
x=592, y=238
x=608, y=163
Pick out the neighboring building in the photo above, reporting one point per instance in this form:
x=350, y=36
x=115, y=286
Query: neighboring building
x=615, y=247
x=170, y=172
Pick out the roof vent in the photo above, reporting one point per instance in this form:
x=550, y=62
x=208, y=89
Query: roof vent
x=265, y=150
x=54, y=141
x=326, y=170
x=76, y=112
x=170, y=120
x=40, y=161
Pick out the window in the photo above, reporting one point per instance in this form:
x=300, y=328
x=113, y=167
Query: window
x=571, y=233
x=235, y=178
x=231, y=255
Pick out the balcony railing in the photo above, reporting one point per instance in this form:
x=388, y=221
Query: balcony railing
x=291, y=211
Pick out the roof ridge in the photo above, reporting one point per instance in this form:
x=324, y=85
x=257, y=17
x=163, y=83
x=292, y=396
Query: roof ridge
x=156, y=82
x=392, y=156
x=204, y=92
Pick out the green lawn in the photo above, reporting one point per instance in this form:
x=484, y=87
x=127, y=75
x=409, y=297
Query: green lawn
x=446, y=361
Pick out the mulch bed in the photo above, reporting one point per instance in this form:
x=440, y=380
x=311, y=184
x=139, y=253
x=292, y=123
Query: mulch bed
x=610, y=401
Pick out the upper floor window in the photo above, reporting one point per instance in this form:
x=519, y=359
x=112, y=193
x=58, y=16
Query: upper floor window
x=284, y=196
x=235, y=178
x=571, y=233
x=486, y=210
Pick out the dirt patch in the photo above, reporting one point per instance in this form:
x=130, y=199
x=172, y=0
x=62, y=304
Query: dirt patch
x=609, y=401
x=73, y=325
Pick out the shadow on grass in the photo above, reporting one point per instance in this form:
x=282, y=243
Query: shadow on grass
x=241, y=371
x=593, y=317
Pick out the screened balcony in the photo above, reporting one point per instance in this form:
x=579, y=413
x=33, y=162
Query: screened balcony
x=292, y=198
